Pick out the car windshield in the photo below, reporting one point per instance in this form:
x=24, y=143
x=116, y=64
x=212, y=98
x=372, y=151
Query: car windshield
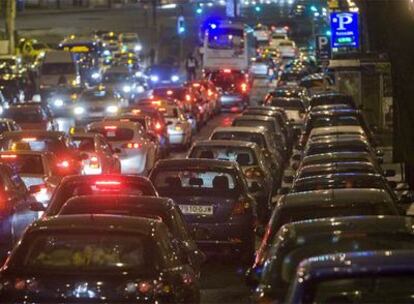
x=286, y=93
x=329, y=121
x=32, y=143
x=127, y=39
x=25, y=115
x=369, y=288
x=244, y=156
x=115, y=133
x=58, y=68
x=97, y=96
x=288, y=104
x=195, y=182
x=84, y=144
x=86, y=251
x=96, y=187
x=257, y=138
x=314, y=83
x=255, y=123
x=24, y=164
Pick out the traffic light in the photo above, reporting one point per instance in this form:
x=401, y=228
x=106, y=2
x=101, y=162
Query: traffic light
x=180, y=25
x=313, y=8
x=199, y=10
x=258, y=9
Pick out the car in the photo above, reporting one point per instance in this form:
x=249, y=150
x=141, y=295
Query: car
x=99, y=158
x=259, y=135
x=317, y=204
x=262, y=67
x=252, y=162
x=300, y=240
x=315, y=83
x=158, y=124
x=234, y=85
x=16, y=207
x=35, y=169
x=287, y=49
x=120, y=80
x=95, y=104
x=130, y=42
x=214, y=198
x=136, y=151
x=163, y=75
x=331, y=98
x=69, y=160
x=294, y=108
x=337, y=131
x=346, y=277
x=269, y=123
x=141, y=206
x=8, y=125
x=31, y=117
x=290, y=78
x=285, y=92
x=119, y=258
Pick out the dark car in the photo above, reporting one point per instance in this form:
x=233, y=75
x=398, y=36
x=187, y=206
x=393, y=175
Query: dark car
x=349, y=278
x=252, y=162
x=87, y=258
x=163, y=75
x=69, y=160
x=294, y=108
x=214, y=199
x=78, y=185
x=330, y=98
x=144, y=206
x=16, y=207
x=300, y=240
x=320, y=204
x=31, y=117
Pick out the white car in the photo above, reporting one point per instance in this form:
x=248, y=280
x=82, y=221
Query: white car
x=35, y=169
x=287, y=49
x=336, y=131
x=130, y=42
x=99, y=157
x=277, y=38
x=178, y=127
x=136, y=151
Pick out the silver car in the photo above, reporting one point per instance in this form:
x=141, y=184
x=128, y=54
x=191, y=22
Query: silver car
x=179, y=129
x=136, y=151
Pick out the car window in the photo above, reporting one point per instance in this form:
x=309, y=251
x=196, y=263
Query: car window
x=115, y=133
x=244, y=156
x=32, y=144
x=83, y=144
x=243, y=136
x=24, y=164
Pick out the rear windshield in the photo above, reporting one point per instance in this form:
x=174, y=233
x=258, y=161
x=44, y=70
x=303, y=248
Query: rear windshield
x=315, y=83
x=227, y=81
x=243, y=156
x=340, y=183
x=24, y=164
x=97, y=96
x=94, y=187
x=243, y=136
x=85, y=252
x=84, y=144
x=254, y=123
x=335, y=121
x=58, y=68
x=53, y=145
x=115, y=134
x=288, y=104
x=21, y=115
x=328, y=100
x=195, y=182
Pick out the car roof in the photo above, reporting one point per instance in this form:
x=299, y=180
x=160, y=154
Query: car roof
x=259, y=130
x=96, y=222
x=24, y=106
x=226, y=143
x=333, y=197
x=358, y=263
x=336, y=156
x=196, y=163
x=255, y=117
x=33, y=133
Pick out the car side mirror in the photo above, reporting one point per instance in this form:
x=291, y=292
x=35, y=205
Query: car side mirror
x=37, y=207
x=389, y=173
x=288, y=179
x=283, y=191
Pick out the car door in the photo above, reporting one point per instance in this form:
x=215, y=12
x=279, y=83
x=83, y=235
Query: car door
x=21, y=200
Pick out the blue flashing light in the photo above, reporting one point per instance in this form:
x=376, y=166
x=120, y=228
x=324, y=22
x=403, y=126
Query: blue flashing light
x=213, y=26
x=328, y=33
x=257, y=8
x=313, y=8
x=199, y=10
x=181, y=30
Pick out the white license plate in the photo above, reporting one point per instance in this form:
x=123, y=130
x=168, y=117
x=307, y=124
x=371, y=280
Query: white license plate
x=193, y=209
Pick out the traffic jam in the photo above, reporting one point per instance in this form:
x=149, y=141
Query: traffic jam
x=123, y=181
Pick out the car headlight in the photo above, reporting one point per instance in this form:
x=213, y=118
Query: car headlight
x=79, y=110
x=138, y=48
x=126, y=89
x=138, y=74
x=58, y=103
x=107, y=53
x=175, y=78
x=96, y=75
x=154, y=78
x=112, y=109
x=140, y=89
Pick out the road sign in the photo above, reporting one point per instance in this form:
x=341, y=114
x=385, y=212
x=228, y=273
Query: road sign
x=323, y=47
x=345, y=30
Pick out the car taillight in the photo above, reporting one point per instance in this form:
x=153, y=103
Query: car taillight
x=227, y=71
x=210, y=93
x=133, y=145
x=253, y=172
x=187, y=97
x=158, y=126
x=8, y=156
x=94, y=162
x=243, y=87
x=240, y=207
x=110, y=127
x=63, y=164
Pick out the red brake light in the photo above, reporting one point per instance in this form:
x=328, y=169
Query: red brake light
x=227, y=71
x=196, y=85
x=169, y=92
x=110, y=127
x=243, y=87
x=136, y=111
x=9, y=156
x=253, y=172
x=156, y=102
x=210, y=92
x=187, y=97
x=107, y=183
x=64, y=164
x=162, y=109
x=158, y=126
x=144, y=287
x=134, y=145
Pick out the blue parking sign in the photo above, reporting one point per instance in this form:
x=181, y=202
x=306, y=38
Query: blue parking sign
x=345, y=29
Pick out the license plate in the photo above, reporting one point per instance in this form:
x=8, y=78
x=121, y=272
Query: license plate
x=194, y=209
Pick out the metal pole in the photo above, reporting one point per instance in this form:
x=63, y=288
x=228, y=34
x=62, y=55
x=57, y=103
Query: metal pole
x=11, y=25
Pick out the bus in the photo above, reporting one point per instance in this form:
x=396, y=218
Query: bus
x=227, y=45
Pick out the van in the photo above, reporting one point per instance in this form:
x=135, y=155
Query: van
x=59, y=68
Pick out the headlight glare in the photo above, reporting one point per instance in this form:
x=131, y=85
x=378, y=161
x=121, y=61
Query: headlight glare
x=79, y=110
x=112, y=109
